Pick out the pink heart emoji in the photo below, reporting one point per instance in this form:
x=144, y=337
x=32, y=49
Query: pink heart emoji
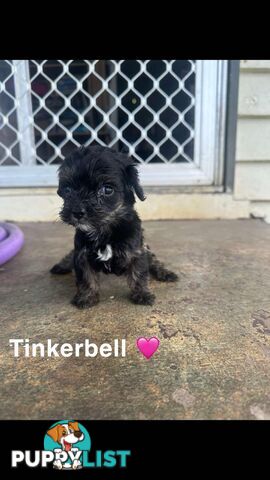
x=148, y=346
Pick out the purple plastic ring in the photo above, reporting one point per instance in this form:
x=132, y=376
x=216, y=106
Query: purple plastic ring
x=11, y=241
x=3, y=234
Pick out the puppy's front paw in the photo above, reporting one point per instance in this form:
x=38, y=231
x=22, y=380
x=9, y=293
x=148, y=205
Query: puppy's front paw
x=57, y=464
x=85, y=301
x=143, y=298
x=76, y=464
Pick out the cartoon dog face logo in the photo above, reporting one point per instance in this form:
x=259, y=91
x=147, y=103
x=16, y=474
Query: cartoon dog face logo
x=66, y=434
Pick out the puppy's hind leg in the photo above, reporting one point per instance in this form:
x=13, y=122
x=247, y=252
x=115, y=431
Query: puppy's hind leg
x=158, y=270
x=65, y=265
x=137, y=277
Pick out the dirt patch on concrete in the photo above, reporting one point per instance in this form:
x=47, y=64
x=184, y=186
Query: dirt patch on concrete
x=261, y=321
x=183, y=397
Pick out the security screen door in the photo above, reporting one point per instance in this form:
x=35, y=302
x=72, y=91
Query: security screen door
x=168, y=114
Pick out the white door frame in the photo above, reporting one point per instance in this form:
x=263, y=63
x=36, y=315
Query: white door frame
x=209, y=134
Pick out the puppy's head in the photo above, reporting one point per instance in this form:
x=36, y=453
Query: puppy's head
x=97, y=185
x=66, y=434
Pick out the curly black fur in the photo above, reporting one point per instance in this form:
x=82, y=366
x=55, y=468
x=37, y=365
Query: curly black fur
x=97, y=185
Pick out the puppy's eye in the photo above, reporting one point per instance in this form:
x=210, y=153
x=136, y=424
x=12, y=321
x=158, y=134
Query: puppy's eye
x=106, y=190
x=62, y=191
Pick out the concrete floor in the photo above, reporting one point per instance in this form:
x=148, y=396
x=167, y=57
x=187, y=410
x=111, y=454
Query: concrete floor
x=214, y=329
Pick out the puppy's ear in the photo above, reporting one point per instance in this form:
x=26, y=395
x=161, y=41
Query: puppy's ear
x=54, y=433
x=133, y=179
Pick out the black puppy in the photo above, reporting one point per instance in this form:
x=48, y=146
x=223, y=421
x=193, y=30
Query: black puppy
x=97, y=185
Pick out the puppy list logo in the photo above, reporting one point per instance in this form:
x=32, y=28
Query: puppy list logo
x=67, y=441
x=67, y=446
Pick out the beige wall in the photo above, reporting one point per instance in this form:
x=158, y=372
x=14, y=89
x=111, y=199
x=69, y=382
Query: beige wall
x=252, y=177
x=43, y=205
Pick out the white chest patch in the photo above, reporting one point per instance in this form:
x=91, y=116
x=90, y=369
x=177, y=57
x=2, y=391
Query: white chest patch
x=106, y=254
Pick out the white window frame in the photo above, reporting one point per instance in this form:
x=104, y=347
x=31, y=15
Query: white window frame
x=209, y=135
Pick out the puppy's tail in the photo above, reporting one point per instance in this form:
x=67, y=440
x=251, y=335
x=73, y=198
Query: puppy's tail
x=65, y=265
x=158, y=270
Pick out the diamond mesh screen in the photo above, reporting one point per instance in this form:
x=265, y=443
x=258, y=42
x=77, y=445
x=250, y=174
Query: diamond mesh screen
x=9, y=136
x=145, y=108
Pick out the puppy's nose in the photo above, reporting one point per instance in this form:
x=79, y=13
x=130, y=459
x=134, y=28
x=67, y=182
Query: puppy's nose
x=77, y=214
x=78, y=433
